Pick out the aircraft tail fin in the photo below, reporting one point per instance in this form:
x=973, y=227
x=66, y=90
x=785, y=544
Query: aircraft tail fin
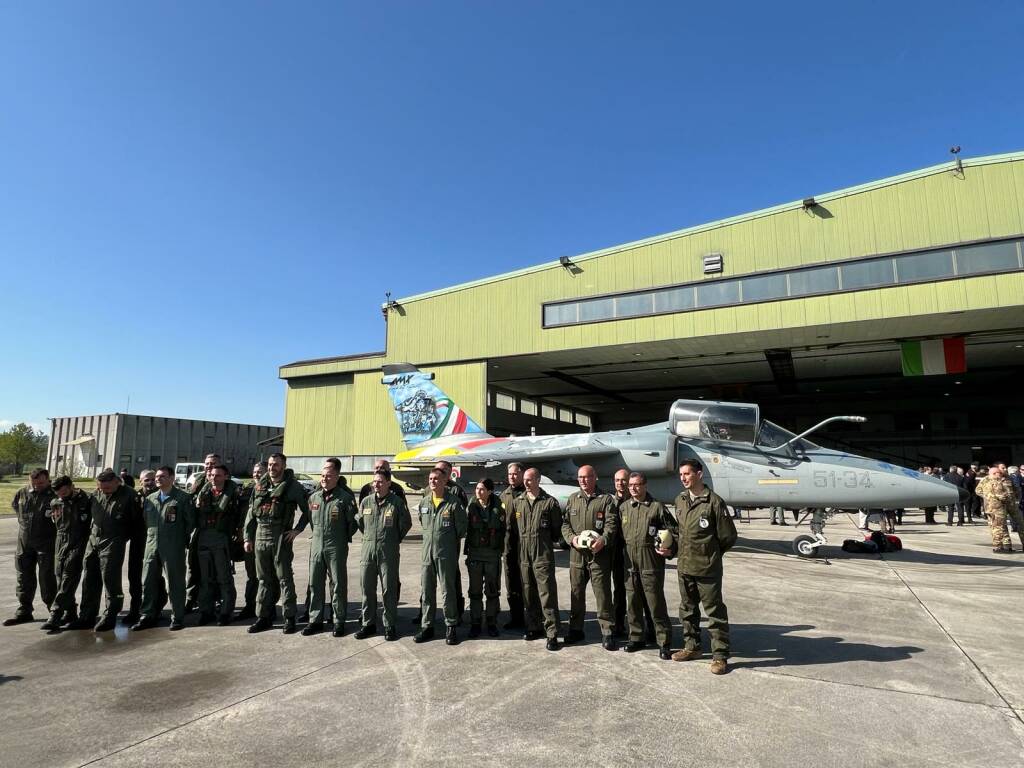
x=423, y=411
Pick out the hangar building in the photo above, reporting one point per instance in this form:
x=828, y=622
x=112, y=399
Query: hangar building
x=805, y=308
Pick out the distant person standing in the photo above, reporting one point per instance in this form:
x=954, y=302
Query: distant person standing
x=332, y=518
x=997, y=495
x=137, y=545
x=71, y=512
x=704, y=532
x=384, y=521
x=170, y=520
x=217, y=512
x=539, y=521
x=127, y=479
x=252, y=583
x=269, y=531
x=36, y=540
x=115, y=512
x=485, y=542
x=954, y=478
x=513, y=576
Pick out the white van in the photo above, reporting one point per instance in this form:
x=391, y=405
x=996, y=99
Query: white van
x=184, y=470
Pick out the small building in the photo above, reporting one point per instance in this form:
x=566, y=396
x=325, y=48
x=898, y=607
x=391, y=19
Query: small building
x=84, y=445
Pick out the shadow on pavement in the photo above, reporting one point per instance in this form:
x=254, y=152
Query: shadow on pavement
x=10, y=678
x=774, y=645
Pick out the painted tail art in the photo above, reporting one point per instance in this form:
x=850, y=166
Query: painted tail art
x=423, y=411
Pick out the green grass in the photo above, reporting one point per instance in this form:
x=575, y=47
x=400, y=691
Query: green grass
x=8, y=487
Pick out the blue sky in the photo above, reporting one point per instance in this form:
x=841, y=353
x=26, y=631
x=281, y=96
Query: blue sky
x=192, y=194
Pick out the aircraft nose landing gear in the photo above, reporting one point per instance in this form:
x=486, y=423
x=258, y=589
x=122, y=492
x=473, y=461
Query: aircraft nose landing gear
x=806, y=545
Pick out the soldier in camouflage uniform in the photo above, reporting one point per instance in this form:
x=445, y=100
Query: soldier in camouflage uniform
x=998, y=497
x=332, y=516
x=71, y=512
x=36, y=537
x=485, y=541
x=640, y=519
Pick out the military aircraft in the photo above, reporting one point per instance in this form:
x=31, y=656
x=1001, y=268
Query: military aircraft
x=748, y=461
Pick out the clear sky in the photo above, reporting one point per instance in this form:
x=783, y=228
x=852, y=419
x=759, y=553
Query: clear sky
x=194, y=193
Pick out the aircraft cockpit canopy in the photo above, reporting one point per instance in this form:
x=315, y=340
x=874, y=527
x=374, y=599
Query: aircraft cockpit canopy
x=725, y=422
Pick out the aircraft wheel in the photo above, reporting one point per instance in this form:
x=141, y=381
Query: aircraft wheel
x=805, y=546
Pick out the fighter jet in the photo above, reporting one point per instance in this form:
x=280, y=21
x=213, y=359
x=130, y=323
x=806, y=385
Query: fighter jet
x=748, y=461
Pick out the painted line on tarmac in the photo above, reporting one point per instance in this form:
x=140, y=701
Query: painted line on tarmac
x=232, y=704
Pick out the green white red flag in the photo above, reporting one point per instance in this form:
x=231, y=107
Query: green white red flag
x=935, y=356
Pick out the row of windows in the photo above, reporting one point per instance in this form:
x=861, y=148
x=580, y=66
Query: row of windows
x=874, y=272
x=530, y=407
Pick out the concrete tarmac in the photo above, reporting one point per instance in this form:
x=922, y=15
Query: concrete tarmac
x=913, y=659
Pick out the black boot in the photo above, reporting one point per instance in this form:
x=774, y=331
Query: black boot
x=106, y=624
x=425, y=634
x=633, y=646
x=145, y=622
x=18, y=618
x=289, y=626
x=249, y=612
x=609, y=644
x=82, y=622
x=53, y=623
x=263, y=623
x=451, y=637
x=574, y=636
x=312, y=629
x=474, y=629
x=492, y=629
x=339, y=629
x=368, y=631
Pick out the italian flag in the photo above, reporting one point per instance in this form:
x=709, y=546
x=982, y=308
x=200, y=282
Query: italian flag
x=926, y=358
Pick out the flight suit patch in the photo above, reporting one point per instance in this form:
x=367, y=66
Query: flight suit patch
x=703, y=522
x=314, y=507
x=389, y=519
x=171, y=512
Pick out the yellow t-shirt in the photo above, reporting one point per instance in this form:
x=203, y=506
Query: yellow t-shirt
x=437, y=500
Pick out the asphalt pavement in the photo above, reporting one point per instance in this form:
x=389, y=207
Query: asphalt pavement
x=913, y=658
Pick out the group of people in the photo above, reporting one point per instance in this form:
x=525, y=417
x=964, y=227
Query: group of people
x=181, y=548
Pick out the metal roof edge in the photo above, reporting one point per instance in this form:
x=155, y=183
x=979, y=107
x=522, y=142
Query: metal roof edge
x=794, y=205
x=175, y=418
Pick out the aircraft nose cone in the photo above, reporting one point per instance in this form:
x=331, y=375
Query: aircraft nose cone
x=964, y=495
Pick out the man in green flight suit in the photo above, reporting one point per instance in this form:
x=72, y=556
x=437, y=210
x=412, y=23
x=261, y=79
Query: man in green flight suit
x=71, y=512
x=217, y=511
x=115, y=512
x=332, y=516
x=270, y=530
x=252, y=582
x=170, y=521
x=444, y=524
x=36, y=539
x=590, y=509
x=704, y=533
x=195, y=571
x=539, y=521
x=384, y=521
x=513, y=574
x=640, y=518
x=485, y=541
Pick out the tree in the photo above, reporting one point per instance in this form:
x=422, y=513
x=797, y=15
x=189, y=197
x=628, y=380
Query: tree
x=21, y=445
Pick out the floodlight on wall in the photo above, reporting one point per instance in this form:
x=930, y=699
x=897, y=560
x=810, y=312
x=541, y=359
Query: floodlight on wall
x=566, y=262
x=713, y=263
x=808, y=203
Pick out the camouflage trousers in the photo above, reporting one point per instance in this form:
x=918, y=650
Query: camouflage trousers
x=997, y=529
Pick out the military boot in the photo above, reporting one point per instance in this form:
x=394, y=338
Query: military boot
x=574, y=636
x=82, y=622
x=263, y=623
x=609, y=644
x=451, y=636
x=176, y=624
x=474, y=629
x=339, y=629
x=634, y=646
x=364, y=632
x=313, y=629
x=106, y=624
x=69, y=618
x=289, y=626
x=665, y=654
x=425, y=634
x=146, y=622
x=53, y=623
x=131, y=617
x=492, y=629
x=18, y=618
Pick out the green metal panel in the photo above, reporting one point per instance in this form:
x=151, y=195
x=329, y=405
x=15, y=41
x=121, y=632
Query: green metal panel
x=913, y=212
